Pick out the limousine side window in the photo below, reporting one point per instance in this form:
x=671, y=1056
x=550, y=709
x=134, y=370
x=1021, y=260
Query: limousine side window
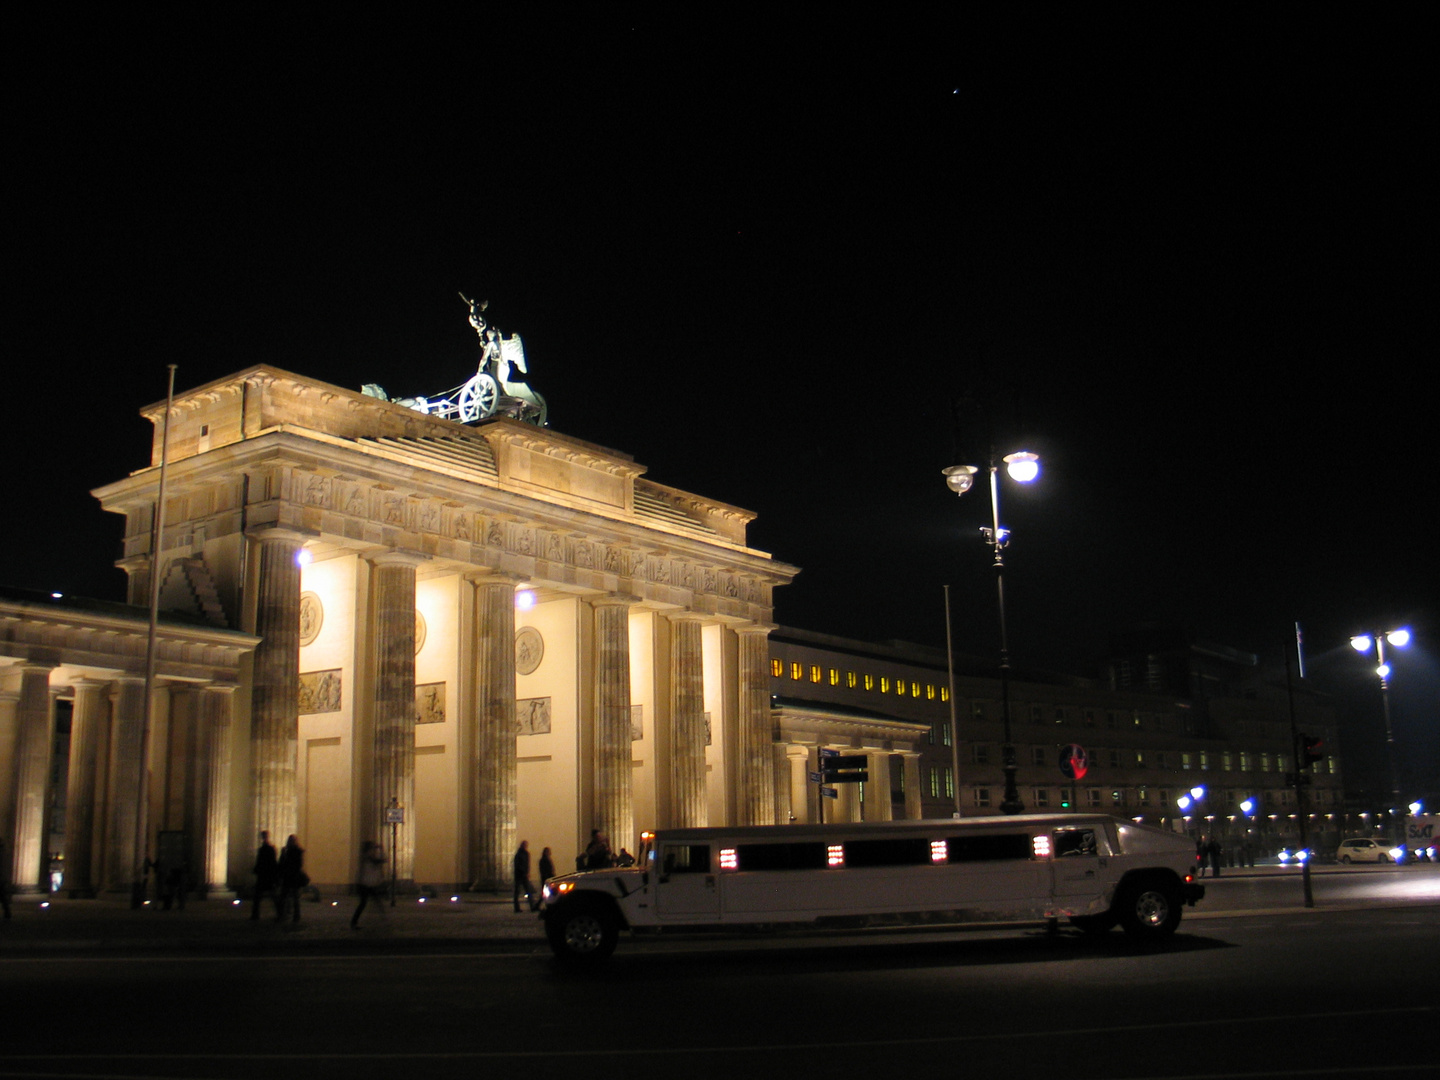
x=906, y=851
x=988, y=847
x=1080, y=842
x=687, y=859
x=801, y=856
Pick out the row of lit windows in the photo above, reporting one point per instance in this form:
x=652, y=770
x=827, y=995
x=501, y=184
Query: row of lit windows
x=1203, y=760
x=1160, y=798
x=853, y=680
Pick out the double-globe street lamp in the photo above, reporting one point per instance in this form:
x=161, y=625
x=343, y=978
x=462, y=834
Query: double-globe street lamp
x=1376, y=642
x=1023, y=467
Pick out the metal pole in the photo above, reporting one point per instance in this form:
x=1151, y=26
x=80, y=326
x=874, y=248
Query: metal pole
x=954, y=727
x=1011, y=803
x=1301, y=802
x=142, y=794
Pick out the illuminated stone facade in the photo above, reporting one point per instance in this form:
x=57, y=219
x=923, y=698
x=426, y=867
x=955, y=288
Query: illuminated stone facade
x=504, y=632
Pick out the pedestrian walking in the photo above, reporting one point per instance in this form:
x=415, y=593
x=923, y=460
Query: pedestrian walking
x=267, y=875
x=372, y=880
x=547, y=870
x=597, y=854
x=292, y=878
x=522, y=876
x=1214, y=851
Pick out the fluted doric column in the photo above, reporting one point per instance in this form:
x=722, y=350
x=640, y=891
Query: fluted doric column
x=275, y=688
x=34, y=737
x=911, y=765
x=877, y=790
x=213, y=813
x=689, y=804
x=89, y=721
x=755, y=761
x=393, y=589
x=494, y=742
x=614, y=809
x=122, y=792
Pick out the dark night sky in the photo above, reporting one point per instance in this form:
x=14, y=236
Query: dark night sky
x=1185, y=260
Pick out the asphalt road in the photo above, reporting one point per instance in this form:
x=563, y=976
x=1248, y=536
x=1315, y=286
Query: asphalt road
x=1345, y=990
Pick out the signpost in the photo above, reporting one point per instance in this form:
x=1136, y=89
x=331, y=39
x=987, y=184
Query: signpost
x=394, y=817
x=836, y=768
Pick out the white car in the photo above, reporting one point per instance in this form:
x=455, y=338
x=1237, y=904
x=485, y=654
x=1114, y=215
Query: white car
x=1364, y=849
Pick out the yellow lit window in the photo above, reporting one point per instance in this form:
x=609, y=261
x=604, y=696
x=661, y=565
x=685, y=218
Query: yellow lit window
x=814, y=672
x=944, y=693
x=869, y=682
x=884, y=684
x=850, y=679
x=797, y=670
x=915, y=689
x=834, y=677
x=777, y=668
x=929, y=692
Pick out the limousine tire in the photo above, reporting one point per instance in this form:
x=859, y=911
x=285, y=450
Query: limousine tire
x=1149, y=909
x=582, y=933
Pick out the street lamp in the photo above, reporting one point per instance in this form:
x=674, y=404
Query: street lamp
x=1023, y=467
x=1363, y=643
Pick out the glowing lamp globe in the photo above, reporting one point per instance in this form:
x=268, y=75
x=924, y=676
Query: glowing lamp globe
x=958, y=478
x=1023, y=466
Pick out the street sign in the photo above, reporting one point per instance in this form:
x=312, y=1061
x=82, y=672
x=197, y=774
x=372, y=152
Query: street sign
x=1074, y=762
x=842, y=769
x=817, y=778
x=829, y=793
x=394, y=815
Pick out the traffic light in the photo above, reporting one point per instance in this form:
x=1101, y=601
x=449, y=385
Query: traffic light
x=1312, y=749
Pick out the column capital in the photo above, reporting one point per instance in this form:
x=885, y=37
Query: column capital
x=84, y=682
x=277, y=532
x=758, y=629
x=495, y=577
x=683, y=615
x=613, y=600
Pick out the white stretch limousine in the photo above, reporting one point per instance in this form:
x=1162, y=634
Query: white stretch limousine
x=1094, y=870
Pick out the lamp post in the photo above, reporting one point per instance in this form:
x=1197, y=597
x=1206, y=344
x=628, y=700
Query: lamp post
x=1023, y=467
x=1363, y=643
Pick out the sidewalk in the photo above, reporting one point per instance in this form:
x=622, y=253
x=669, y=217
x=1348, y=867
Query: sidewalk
x=53, y=925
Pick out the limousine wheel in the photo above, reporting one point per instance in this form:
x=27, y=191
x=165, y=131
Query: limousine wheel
x=1149, y=910
x=582, y=934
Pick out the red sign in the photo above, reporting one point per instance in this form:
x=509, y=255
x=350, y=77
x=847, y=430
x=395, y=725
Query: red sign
x=1074, y=762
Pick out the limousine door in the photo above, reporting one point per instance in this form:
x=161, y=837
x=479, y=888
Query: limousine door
x=685, y=886
x=1081, y=856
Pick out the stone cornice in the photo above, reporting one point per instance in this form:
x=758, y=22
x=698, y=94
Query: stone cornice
x=54, y=635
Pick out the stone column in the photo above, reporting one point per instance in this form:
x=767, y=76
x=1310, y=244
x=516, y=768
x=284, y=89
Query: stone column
x=89, y=719
x=275, y=686
x=9, y=700
x=213, y=795
x=755, y=763
x=393, y=592
x=34, y=740
x=494, y=742
x=877, y=788
x=911, y=765
x=123, y=790
x=614, y=804
x=689, y=802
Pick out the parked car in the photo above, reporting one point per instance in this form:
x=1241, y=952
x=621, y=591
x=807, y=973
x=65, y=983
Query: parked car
x=1366, y=849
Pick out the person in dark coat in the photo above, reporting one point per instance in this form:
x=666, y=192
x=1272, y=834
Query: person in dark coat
x=267, y=875
x=292, y=878
x=547, y=870
x=522, y=876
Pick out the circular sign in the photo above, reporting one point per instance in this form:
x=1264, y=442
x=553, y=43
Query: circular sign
x=1074, y=762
